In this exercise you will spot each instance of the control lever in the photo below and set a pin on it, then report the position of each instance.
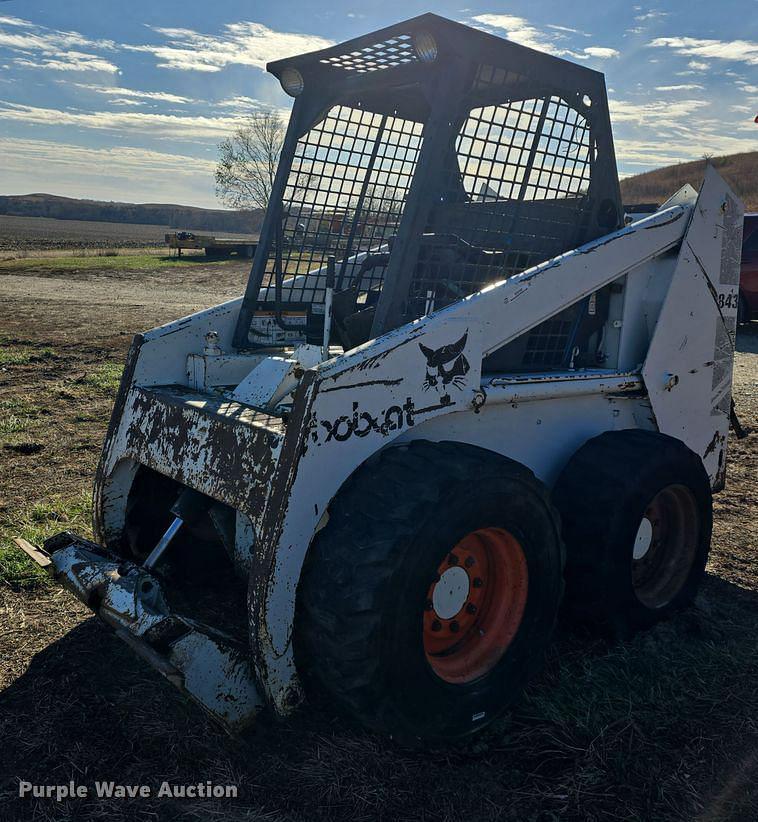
(188, 508)
(328, 295)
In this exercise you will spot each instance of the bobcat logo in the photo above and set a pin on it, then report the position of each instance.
(440, 377)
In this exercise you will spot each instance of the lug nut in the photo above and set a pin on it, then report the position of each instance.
(436, 626)
(478, 582)
(452, 559)
(469, 562)
(428, 605)
(454, 627)
(471, 608)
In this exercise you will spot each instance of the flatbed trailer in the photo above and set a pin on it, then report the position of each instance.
(213, 246)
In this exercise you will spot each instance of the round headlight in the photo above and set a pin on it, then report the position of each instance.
(425, 47)
(292, 81)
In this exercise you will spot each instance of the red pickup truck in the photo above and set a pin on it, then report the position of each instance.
(748, 308)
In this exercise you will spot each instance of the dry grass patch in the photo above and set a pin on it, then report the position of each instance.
(739, 170)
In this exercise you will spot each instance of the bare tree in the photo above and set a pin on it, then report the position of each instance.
(248, 160)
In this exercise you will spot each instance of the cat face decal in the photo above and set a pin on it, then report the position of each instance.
(446, 366)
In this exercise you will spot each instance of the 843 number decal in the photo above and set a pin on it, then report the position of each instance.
(730, 300)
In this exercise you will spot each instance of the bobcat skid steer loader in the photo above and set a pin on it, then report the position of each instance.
(456, 384)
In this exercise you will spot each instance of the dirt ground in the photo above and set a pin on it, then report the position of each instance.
(46, 233)
(664, 727)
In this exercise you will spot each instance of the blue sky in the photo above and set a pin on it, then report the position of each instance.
(128, 100)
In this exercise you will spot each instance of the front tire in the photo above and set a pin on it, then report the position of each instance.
(430, 596)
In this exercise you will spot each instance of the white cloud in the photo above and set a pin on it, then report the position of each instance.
(680, 87)
(568, 30)
(651, 15)
(15, 21)
(693, 146)
(248, 105)
(241, 102)
(40, 38)
(148, 124)
(245, 43)
(123, 160)
(698, 65)
(521, 31)
(744, 51)
(131, 174)
(661, 114)
(40, 47)
(750, 89)
(600, 52)
(69, 61)
(118, 92)
(660, 132)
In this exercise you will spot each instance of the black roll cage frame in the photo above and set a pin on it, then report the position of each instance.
(438, 93)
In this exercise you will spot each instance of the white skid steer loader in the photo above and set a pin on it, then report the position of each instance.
(456, 385)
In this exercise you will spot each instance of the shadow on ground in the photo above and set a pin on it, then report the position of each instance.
(642, 730)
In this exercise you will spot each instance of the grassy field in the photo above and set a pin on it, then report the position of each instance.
(108, 263)
(663, 728)
(24, 430)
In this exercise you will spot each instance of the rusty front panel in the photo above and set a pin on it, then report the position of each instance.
(221, 448)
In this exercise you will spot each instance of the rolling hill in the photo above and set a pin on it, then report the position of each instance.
(177, 216)
(739, 170)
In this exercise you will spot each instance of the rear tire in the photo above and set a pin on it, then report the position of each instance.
(431, 594)
(636, 509)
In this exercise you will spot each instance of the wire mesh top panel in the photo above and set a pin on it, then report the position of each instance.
(389, 53)
(344, 197)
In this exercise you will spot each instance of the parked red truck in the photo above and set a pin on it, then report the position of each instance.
(748, 307)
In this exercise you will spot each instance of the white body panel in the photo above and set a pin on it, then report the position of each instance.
(688, 370)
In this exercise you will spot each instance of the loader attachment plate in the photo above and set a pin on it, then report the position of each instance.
(212, 668)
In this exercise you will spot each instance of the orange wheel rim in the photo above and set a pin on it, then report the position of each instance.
(475, 604)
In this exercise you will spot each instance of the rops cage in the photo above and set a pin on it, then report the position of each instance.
(428, 160)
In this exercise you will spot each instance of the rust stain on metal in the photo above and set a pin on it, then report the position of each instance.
(199, 447)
